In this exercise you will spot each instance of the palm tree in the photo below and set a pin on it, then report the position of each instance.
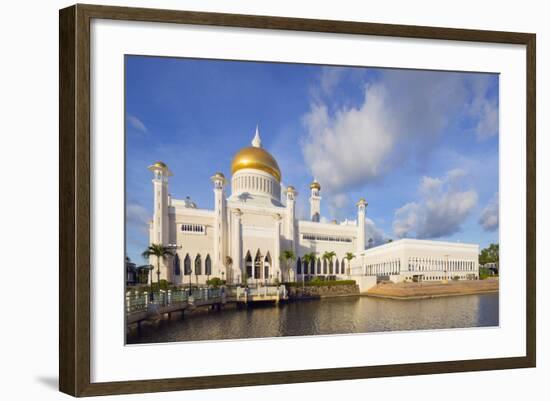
(349, 256)
(309, 259)
(287, 256)
(160, 251)
(328, 256)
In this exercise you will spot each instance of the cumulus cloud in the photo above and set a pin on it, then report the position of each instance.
(343, 149)
(489, 216)
(137, 216)
(330, 77)
(483, 109)
(136, 123)
(373, 232)
(398, 119)
(441, 209)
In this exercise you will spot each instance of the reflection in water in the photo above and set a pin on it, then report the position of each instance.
(326, 316)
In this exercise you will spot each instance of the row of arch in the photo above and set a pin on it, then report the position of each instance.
(416, 264)
(320, 267)
(195, 267)
(389, 267)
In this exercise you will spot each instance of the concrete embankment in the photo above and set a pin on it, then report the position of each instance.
(432, 290)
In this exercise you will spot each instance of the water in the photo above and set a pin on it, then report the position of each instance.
(325, 316)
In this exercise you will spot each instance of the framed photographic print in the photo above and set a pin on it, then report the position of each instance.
(239, 192)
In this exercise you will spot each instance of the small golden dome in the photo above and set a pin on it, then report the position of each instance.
(160, 164)
(315, 185)
(255, 158)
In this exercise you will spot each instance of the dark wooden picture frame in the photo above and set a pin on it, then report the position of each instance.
(74, 203)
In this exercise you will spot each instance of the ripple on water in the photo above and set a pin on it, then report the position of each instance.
(326, 316)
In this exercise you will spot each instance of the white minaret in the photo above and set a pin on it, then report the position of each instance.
(161, 173)
(290, 217)
(219, 182)
(361, 214)
(315, 201)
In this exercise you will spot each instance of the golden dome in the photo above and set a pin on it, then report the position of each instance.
(155, 167)
(315, 185)
(255, 158)
(160, 164)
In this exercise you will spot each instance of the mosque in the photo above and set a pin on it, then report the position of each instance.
(250, 231)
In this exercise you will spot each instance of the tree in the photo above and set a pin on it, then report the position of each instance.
(349, 256)
(328, 256)
(309, 259)
(489, 254)
(160, 251)
(288, 256)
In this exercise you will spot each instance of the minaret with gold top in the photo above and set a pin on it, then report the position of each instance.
(161, 172)
(315, 201)
(219, 182)
(159, 227)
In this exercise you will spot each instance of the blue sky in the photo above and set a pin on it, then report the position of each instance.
(420, 146)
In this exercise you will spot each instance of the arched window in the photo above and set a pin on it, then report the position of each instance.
(177, 270)
(187, 265)
(198, 267)
(267, 265)
(299, 266)
(208, 265)
(248, 264)
(257, 265)
(318, 266)
(325, 266)
(337, 267)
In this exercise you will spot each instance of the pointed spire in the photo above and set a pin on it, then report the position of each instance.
(257, 141)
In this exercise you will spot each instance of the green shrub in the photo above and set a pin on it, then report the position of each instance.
(215, 282)
(321, 283)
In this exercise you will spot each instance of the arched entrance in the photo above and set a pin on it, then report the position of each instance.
(267, 268)
(258, 265)
(248, 266)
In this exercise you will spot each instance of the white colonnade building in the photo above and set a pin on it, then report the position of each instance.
(243, 237)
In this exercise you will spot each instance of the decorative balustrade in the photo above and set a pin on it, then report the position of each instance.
(138, 302)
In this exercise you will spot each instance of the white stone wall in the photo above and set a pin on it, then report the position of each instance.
(325, 237)
(193, 231)
(409, 259)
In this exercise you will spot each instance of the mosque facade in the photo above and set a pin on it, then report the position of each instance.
(253, 228)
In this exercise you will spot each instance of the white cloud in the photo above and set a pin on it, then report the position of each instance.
(489, 216)
(441, 209)
(345, 149)
(136, 123)
(137, 216)
(484, 109)
(330, 77)
(373, 232)
(398, 119)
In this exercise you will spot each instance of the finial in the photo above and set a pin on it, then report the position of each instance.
(257, 141)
